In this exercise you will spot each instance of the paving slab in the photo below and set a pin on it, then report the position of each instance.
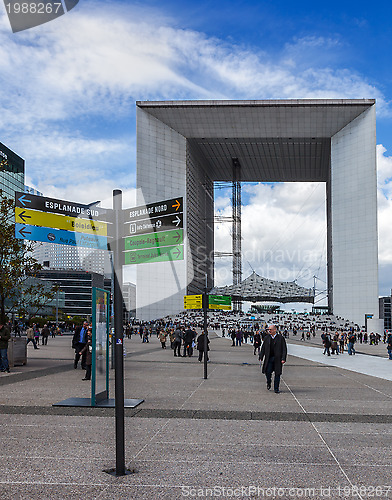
(328, 429)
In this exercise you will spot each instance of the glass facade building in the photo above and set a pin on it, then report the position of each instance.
(77, 289)
(13, 174)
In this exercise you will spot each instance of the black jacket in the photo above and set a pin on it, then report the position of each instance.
(200, 342)
(75, 338)
(280, 351)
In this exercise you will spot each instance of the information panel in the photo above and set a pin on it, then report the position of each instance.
(56, 221)
(150, 255)
(222, 302)
(151, 240)
(100, 353)
(193, 301)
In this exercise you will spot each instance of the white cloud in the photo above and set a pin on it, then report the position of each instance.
(67, 92)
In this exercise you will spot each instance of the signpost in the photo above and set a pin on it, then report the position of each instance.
(31, 201)
(38, 218)
(56, 221)
(193, 301)
(154, 232)
(221, 302)
(51, 235)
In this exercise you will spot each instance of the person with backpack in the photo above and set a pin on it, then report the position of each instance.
(351, 341)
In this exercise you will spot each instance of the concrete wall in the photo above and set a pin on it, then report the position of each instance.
(353, 253)
(161, 175)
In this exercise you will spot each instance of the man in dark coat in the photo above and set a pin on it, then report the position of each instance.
(79, 340)
(5, 335)
(189, 337)
(274, 352)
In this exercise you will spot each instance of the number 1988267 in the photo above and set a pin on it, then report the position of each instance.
(33, 8)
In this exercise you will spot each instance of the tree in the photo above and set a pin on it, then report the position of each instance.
(19, 287)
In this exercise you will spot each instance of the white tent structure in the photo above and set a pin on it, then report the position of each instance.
(255, 288)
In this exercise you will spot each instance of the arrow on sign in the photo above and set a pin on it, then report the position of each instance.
(22, 231)
(176, 205)
(177, 253)
(176, 221)
(177, 236)
(23, 216)
(24, 200)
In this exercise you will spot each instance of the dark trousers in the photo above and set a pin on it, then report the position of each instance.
(201, 355)
(79, 347)
(177, 348)
(33, 341)
(268, 373)
(88, 372)
(45, 340)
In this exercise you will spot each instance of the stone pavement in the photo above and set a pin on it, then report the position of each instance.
(327, 435)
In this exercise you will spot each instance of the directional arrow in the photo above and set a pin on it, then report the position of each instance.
(24, 200)
(23, 216)
(177, 253)
(176, 205)
(177, 236)
(176, 221)
(22, 231)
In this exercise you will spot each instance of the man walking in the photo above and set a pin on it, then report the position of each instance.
(351, 341)
(79, 340)
(274, 352)
(189, 337)
(5, 335)
(178, 336)
(45, 334)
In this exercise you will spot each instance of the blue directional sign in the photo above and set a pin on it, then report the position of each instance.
(51, 235)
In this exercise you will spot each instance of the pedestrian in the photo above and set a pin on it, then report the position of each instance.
(88, 352)
(334, 345)
(274, 353)
(36, 334)
(200, 345)
(178, 336)
(30, 336)
(389, 346)
(232, 335)
(162, 338)
(5, 335)
(189, 337)
(45, 334)
(351, 341)
(327, 344)
(171, 337)
(79, 340)
(256, 342)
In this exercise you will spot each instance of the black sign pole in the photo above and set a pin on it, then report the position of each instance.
(118, 336)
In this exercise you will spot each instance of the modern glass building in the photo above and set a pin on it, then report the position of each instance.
(77, 289)
(13, 174)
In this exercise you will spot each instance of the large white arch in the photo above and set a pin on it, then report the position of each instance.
(184, 146)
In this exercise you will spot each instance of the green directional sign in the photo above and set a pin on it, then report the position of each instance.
(222, 302)
(154, 240)
(151, 255)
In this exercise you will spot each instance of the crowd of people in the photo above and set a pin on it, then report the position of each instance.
(183, 338)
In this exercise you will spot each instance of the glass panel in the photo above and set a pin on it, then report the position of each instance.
(101, 341)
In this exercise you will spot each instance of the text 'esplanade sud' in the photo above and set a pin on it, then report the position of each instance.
(61, 207)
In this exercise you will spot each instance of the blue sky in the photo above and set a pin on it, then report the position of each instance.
(68, 90)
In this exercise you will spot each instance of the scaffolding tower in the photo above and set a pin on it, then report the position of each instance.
(236, 232)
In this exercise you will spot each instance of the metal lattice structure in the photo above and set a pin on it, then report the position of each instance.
(236, 233)
(255, 288)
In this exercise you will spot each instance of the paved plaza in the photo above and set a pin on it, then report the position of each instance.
(326, 435)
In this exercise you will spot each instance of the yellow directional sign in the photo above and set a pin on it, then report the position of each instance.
(45, 219)
(193, 302)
